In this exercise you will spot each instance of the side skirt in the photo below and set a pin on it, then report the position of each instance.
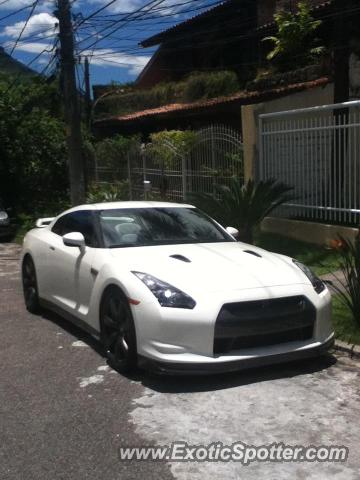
(70, 317)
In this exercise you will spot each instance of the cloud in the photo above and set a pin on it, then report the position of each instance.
(17, 4)
(34, 47)
(109, 58)
(103, 58)
(39, 25)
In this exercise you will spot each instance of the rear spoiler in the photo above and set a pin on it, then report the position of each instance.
(43, 222)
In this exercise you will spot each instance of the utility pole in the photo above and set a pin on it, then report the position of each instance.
(71, 102)
(341, 55)
(87, 91)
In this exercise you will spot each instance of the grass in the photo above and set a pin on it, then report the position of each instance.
(320, 259)
(344, 325)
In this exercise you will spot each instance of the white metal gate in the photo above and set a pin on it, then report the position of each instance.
(216, 156)
(315, 150)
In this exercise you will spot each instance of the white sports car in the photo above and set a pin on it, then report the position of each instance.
(165, 286)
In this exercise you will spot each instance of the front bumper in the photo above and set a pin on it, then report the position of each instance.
(236, 365)
(183, 340)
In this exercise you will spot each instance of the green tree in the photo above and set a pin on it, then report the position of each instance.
(169, 146)
(167, 149)
(295, 44)
(112, 153)
(33, 171)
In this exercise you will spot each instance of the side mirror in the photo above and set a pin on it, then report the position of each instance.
(74, 239)
(234, 232)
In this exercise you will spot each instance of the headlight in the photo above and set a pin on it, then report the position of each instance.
(167, 295)
(4, 218)
(317, 283)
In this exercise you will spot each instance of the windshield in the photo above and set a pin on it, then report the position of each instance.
(158, 226)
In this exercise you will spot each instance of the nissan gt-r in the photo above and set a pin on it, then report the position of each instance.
(162, 285)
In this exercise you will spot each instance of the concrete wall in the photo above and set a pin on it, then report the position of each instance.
(250, 118)
(310, 232)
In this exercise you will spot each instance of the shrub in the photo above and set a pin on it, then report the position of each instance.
(124, 103)
(169, 146)
(295, 44)
(349, 288)
(112, 152)
(108, 192)
(210, 85)
(167, 149)
(196, 87)
(244, 206)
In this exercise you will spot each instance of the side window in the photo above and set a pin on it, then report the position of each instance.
(81, 221)
(59, 226)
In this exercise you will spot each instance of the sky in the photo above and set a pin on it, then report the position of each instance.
(110, 38)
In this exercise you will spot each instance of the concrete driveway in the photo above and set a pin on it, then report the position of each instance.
(64, 414)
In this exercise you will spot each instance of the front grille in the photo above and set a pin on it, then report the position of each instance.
(263, 323)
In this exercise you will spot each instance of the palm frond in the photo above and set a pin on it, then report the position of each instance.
(349, 288)
(244, 205)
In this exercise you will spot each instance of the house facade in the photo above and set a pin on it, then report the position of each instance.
(219, 39)
(230, 37)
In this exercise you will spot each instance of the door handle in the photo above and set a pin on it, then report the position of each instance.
(52, 248)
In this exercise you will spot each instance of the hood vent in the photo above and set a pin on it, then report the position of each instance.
(181, 258)
(250, 252)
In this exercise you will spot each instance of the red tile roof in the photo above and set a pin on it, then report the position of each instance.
(242, 98)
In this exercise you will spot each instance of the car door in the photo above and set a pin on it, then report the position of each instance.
(69, 268)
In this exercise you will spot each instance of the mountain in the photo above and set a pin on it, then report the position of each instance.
(10, 66)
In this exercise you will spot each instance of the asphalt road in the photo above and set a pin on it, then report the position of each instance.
(64, 413)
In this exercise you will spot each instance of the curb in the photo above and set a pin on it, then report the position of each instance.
(352, 350)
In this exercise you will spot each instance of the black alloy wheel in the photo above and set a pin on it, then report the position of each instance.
(118, 331)
(30, 287)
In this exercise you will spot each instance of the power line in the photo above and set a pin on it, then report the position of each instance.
(52, 58)
(144, 16)
(35, 36)
(3, 2)
(34, 5)
(139, 10)
(249, 22)
(109, 34)
(107, 18)
(216, 42)
(45, 50)
(16, 11)
(149, 19)
(96, 12)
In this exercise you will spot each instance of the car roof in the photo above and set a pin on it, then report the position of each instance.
(127, 205)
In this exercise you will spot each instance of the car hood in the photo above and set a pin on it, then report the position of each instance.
(211, 266)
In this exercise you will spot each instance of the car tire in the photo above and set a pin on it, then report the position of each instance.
(118, 333)
(30, 285)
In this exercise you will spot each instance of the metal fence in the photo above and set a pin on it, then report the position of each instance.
(215, 157)
(315, 150)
